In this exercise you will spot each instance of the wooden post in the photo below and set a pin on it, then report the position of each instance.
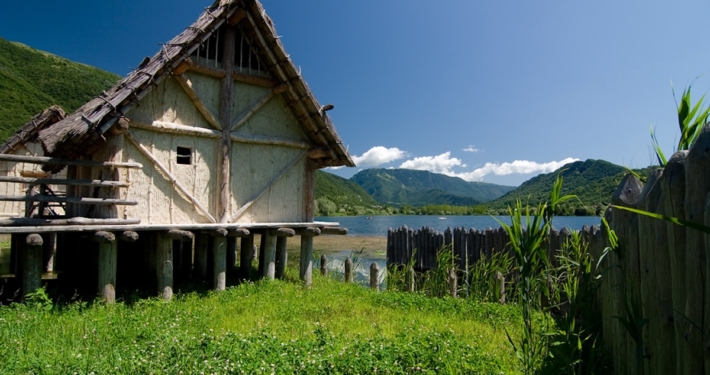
(306, 261)
(282, 234)
(164, 265)
(348, 270)
(410, 279)
(107, 265)
(201, 242)
(231, 254)
(269, 255)
(246, 256)
(219, 250)
(673, 186)
(500, 287)
(374, 276)
(32, 264)
(48, 251)
(453, 282)
(182, 255)
(324, 265)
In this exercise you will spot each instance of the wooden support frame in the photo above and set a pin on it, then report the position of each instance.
(271, 182)
(170, 176)
(272, 141)
(164, 265)
(268, 270)
(219, 265)
(199, 104)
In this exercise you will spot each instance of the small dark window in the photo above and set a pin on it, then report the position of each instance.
(184, 155)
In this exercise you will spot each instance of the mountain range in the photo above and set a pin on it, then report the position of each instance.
(31, 80)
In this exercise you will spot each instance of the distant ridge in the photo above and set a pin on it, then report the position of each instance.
(32, 80)
(419, 188)
(593, 181)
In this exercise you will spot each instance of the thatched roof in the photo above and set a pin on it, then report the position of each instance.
(74, 135)
(28, 131)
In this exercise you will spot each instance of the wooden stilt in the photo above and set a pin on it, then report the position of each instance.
(164, 265)
(282, 234)
(201, 255)
(269, 255)
(48, 252)
(107, 265)
(349, 270)
(324, 265)
(246, 256)
(306, 261)
(374, 276)
(231, 255)
(219, 251)
(32, 264)
(182, 251)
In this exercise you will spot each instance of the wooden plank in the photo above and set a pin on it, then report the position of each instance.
(154, 227)
(170, 177)
(60, 181)
(673, 186)
(49, 160)
(199, 104)
(74, 200)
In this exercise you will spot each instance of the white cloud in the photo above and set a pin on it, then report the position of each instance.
(470, 148)
(516, 167)
(378, 155)
(437, 164)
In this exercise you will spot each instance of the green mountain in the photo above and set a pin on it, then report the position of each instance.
(419, 188)
(593, 181)
(32, 80)
(336, 195)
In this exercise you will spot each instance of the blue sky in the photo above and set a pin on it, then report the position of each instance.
(494, 91)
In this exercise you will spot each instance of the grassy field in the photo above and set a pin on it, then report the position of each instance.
(275, 327)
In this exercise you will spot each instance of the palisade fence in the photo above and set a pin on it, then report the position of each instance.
(655, 291)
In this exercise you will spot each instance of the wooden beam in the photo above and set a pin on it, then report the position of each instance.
(49, 160)
(74, 200)
(337, 230)
(26, 221)
(254, 80)
(168, 127)
(225, 115)
(208, 71)
(183, 67)
(237, 16)
(170, 177)
(59, 181)
(257, 105)
(266, 187)
(199, 104)
(271, 141)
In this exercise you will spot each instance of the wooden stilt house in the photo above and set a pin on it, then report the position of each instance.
(216, 137)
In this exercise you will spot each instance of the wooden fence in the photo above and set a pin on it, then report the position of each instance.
(662, 272)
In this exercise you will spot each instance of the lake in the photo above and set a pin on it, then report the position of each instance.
(377, 225)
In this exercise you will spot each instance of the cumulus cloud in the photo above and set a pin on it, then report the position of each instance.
(437, 164)
(515, 167)
(444, 163)
(470, 148)
(378, 155)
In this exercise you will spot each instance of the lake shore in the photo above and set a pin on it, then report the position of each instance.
(371, 246)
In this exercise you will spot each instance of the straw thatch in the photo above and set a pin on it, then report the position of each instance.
(80, 132)
(29, 131)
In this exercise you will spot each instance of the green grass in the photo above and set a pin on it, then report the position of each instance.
(265, 327)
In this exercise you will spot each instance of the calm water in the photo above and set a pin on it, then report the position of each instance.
(377, 225)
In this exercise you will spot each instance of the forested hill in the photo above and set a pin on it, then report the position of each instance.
(32, 80)
(336, 195)
(593, 181)
(418, 188)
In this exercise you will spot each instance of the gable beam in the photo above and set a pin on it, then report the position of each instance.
(246, 115)
(199, 104)
(276, 66)
(249, 79)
